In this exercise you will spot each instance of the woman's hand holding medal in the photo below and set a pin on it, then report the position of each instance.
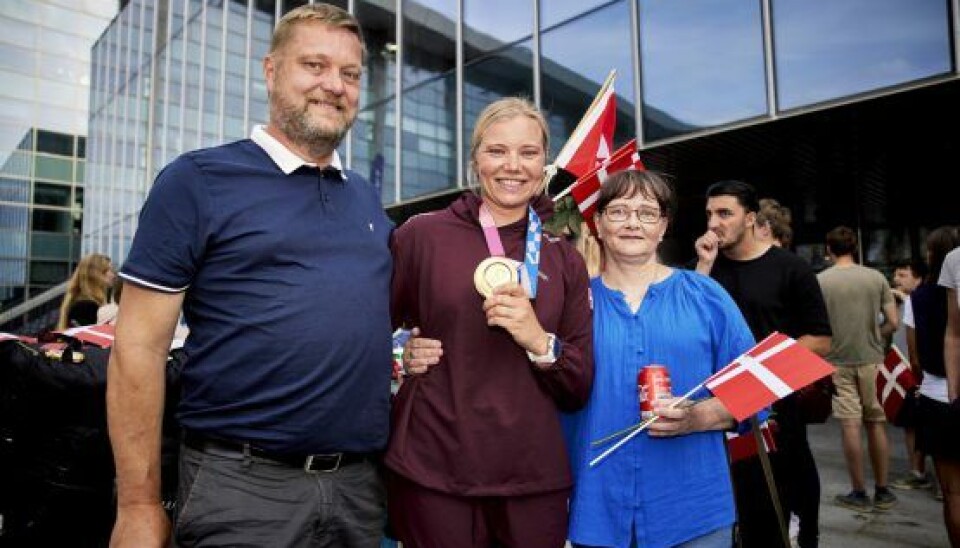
(420, 353)
(510, 307)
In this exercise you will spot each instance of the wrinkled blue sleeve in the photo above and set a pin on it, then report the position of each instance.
(732, 337)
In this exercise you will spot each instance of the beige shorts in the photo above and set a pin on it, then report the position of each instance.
(857, 393)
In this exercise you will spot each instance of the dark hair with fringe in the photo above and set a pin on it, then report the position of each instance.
(650, 184)
(745, 193)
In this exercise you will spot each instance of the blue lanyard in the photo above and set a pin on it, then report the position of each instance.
(531, 255)
(531, 252)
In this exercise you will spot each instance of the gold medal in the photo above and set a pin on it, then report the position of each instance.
(495, 271)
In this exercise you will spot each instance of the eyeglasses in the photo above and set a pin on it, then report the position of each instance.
(620, 214)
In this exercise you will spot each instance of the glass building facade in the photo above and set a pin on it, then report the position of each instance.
(175, 75)
(44, 98)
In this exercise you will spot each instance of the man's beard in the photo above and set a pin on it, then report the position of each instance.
(728, 243)
(319, 139)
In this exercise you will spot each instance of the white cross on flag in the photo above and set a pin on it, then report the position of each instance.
(100, 335)
(592, 139)
(773, 369)
(894, 380)
(587, 188)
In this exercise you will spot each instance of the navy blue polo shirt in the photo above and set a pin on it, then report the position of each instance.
(287, 298)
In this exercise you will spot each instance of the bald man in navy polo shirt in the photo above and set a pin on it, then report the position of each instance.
(279, 259)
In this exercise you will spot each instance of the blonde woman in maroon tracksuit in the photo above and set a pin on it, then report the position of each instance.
(477, 456)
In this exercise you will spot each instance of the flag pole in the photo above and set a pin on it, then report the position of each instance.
(565, 191)
(551, 170)
(643, 426)
(596, 98)
(769, 478)
(630, 146)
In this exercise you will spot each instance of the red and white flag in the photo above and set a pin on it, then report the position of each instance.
(592, 140)
(744, 445)
(586, 189)
(773, 369)
(894, 380)
(100, 335)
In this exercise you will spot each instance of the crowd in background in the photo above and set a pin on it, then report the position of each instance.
(523, 351)
(61, 476)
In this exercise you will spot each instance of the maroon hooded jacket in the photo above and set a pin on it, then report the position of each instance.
(484, 421)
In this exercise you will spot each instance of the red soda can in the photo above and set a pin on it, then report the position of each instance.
(653, 383)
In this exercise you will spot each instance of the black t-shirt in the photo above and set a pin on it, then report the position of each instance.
(777, 291)
(929, 302)
(82, 312)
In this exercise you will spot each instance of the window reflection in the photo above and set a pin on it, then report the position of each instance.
(373, 136)
(702, 64)
(498, 55)
(506, 73)
(429, 97)
(489, 25)
(826, 50)
(14, 190)
(571, 75)
(373, 141)
(429, 34)
(429, 142)
(553, 12)
(379, 27)
(190, 115)
(291, 4)
(260, 33)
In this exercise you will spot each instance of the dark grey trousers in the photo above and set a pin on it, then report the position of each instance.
(229, 501)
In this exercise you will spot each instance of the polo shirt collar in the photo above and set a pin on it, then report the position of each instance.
(287, 160)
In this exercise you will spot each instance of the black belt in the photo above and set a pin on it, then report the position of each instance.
(327, 462)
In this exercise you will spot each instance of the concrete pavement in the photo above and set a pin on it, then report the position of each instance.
(916, 520)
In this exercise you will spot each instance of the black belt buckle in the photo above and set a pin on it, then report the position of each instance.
(323, 463)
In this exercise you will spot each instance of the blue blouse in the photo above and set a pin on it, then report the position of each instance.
(666, 490)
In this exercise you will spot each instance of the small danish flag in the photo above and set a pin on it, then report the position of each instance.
(773, 369)
(894, 380)
(100, 335)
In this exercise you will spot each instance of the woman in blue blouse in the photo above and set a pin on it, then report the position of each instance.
(669, 486)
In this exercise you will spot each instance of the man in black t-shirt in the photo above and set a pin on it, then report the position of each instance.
(776, 291)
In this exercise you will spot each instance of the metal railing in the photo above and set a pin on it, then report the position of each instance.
(34, 314)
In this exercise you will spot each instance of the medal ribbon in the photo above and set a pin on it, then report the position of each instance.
(531, 252)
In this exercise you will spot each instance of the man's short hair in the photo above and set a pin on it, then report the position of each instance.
(745, 194)
(842, 241)
(321, 13)
(916, 267)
